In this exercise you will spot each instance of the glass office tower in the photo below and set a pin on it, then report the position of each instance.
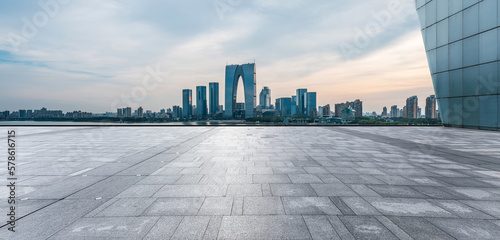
(213, 97)
(462, 44)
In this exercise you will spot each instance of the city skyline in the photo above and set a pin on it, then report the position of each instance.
(48, 71)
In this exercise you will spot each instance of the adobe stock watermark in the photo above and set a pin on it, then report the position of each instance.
(31, 26)
(224, 6)
(380, 20)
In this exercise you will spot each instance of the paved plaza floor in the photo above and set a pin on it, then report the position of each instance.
(253, 183)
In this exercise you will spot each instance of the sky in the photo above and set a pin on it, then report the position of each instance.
(96, 55)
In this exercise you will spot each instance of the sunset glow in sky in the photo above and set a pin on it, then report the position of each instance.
(92, 55)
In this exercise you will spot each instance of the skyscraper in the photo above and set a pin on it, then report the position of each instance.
(311, 106)
(213, 97)
(140, 112)
(265, 98)
(127, 112)
(326, 110)
(430, 107)
(384, 112)
(301, 102)
(412, 107)
(201, 101)
(462, 45)
(294, 105)
(187, 103)
(394, 111)
(285, 107)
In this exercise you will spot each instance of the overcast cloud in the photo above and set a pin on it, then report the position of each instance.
(90, 54)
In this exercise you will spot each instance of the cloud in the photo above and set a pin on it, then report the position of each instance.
(93, 52)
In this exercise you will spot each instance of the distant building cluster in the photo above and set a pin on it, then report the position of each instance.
(301, 106)
(412, 110)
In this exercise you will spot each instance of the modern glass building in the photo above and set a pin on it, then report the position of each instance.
(285, 107)
(248, 74)
(311, 104)
(462, 44)
(187, 103)
(201, 101)
(301, 102)
(265, 98)
(213, 98)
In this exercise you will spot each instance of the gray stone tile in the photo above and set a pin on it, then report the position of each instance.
(289, 170)
(320, 228)
(159, 180)
(292, 190)
(310, 206)
(391, 191)
(216, 206)
(164, 228)
(333, 189)
(271, 178)
(365, 227)
(192, 227)
(340, 228)
(489, 207)
(363, 190)
(464, 182)
(358, 179)
(226, 179)
(398, 232)
(262, 206)
(139, 191)
(316, 170)
(51, 219)
(259, 170)
(467, 228)
(263, 227)
(340, 204)
(244, 190)
(328, 178)
(359, 206)
(213, 228)
(126, 207)
(237, 209)
(174, 206)
(188, 179)
(116, 227)
(191, 191)
(419, 228)
(304, 178)
(407, 207)
(461, 209)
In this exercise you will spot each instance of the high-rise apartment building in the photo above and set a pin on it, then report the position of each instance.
(213, 98)
(356, 105)
(412, 107)
(384, 112)
(187, 103)
(201, 101)
(430, 107)
(140, 112)
(462, 44)
(394, 111)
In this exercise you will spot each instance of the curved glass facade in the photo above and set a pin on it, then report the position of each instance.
(461, 40)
